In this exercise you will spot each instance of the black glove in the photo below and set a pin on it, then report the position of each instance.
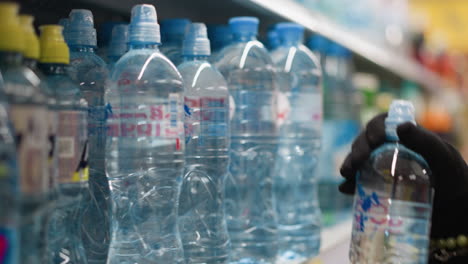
(449, 172)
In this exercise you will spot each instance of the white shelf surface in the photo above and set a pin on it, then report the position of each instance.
(335, 244)
(384, 57)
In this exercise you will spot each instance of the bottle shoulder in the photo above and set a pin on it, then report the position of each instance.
(395, 160)
(21, 84)
(296, 59)
(65, 90)
(202, 77)
(145, 66)
(87, 68)
(243, 55)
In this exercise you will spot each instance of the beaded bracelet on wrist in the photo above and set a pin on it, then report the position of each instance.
(443, 250)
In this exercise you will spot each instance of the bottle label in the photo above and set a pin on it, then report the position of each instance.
(164, 120)
(30, 126)
(206, 117)
(384, 227)
(284, 108)
(8, 245)
(52, 126)
(72, 147)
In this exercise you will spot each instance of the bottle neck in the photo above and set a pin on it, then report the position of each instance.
(143, 46)
(80, 48)
(290, 43)
(10, 59)
(30, 63)
(244, 37)
(195, 58)
(53, 68)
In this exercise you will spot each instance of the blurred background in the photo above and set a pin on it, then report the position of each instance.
(371, 52)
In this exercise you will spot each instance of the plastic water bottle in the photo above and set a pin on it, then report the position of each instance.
(393, 200)
(220, 36)
(104, 38)
(64, 243)
(30, 60)
(250, 214)
(300, 119)
(145, 148)
(118, 44)
(202, 224)
(172, 33)
(89, 71)
(341, 126)
(9, 187)
(28, 115)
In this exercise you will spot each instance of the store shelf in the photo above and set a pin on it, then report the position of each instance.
(384, 57)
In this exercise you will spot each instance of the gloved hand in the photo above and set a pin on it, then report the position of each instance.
(449, 172)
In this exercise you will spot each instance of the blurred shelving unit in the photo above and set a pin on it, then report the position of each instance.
(384, 57)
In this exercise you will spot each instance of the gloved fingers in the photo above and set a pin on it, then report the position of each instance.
(347, 170)
(363, 145)
(375, 131)
(450, 172)
(348, 186)
(427, 144)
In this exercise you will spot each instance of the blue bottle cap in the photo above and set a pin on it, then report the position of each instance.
(81, 29)
(335, 49)
(318, 43)
(118, 42)
(289, 33)
(273, 39)
(173, 29)
(196, 42)
(244, 26)
(401, 111)
(144, 27)
(105, 32)
(219, 35)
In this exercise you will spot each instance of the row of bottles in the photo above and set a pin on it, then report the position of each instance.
(139, 161)
(177, 155)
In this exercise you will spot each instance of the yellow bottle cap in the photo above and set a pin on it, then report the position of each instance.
(31, 51)
(11, 33)
(53, 46)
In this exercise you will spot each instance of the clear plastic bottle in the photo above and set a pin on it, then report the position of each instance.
(30, 59)
(300, 118)
(340, 127)
(117, 45)
(393, 200)
(104, 38)
(145, 148)
(172, 34)
(27, 114)
(64, 243)
(9, 188)
(202, 224)
(89, 71)
(220, 36)
(252, 84)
